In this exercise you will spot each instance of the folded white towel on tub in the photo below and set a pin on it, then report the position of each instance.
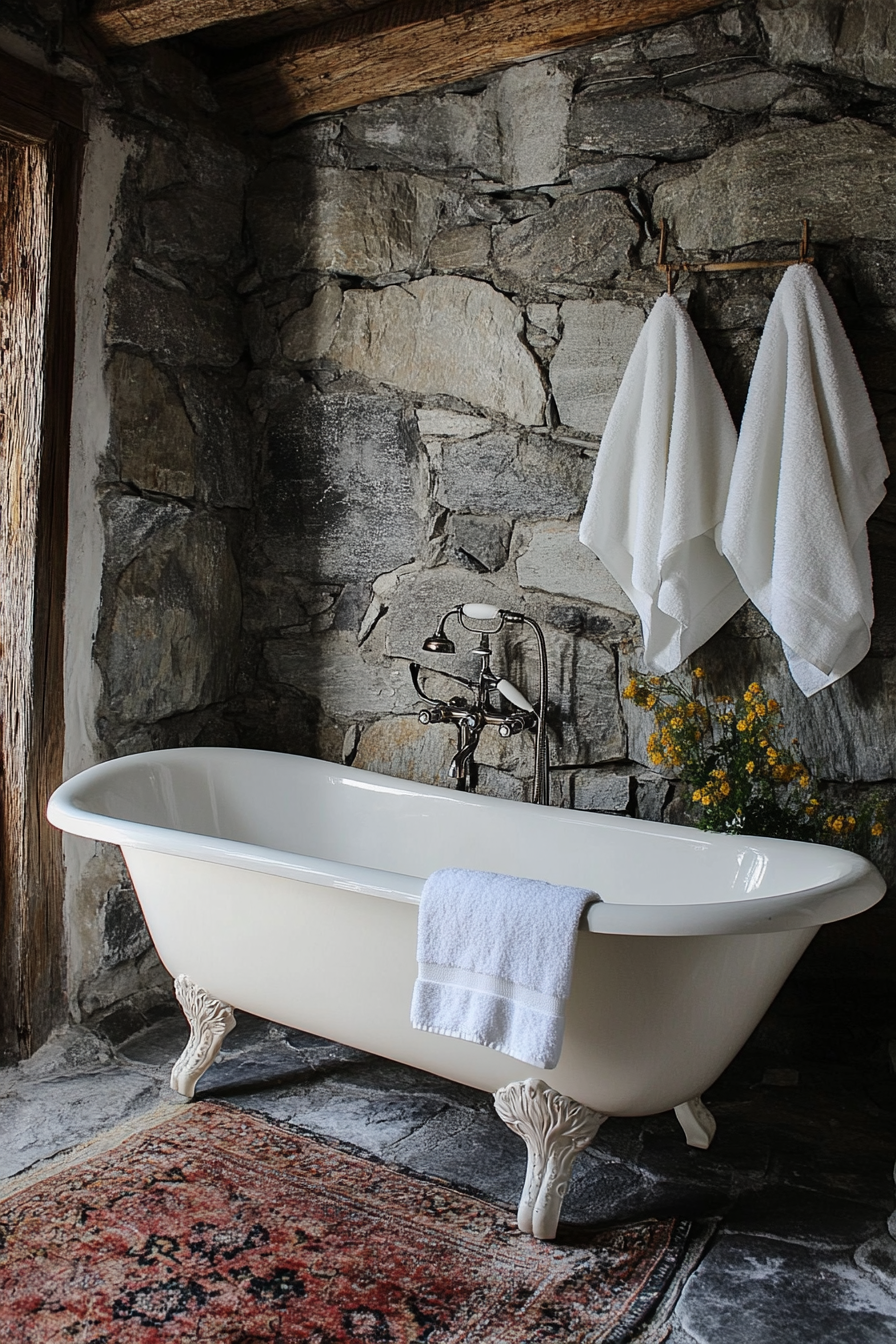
(495, 958)
(809, 471)
(659, 489)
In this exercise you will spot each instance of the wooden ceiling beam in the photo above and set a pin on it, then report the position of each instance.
(411, 45)
(132, 23)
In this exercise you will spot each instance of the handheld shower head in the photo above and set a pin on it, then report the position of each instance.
(439, 642)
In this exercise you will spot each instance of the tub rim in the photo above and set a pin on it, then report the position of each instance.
(853, 891)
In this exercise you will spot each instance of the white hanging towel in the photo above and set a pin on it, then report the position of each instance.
(659, 490)
(809, 471)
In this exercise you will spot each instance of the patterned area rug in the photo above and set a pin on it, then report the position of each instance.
(220, 1226)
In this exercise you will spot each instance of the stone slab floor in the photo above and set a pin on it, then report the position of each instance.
(799, 1176)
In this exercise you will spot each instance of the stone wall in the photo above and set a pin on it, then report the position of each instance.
(175, 481)
(448, 289)
(163, 459)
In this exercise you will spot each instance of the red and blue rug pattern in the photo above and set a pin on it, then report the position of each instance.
(220, 1226)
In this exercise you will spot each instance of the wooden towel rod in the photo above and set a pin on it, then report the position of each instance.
(674, 267)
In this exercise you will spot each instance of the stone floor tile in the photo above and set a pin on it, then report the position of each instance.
(761, 1290)
(341, 1111)
(807, 1216)
(42, 1118)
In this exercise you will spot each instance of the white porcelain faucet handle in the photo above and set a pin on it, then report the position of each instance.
(510, 692)
(480, 611)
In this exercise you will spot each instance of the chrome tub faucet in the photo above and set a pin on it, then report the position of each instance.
(471, 714)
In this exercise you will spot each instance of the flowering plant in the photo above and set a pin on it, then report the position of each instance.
(739, 770)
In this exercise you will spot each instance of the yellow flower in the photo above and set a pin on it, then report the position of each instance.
(750, 767)
(741, 726)
(760, 709)
(630, 690)
(772, 705)
(676, 723)
(696, 795)
(755, 688)
(877, 829)
(748, 696)
(772, 755)
(725, 787)
(655, 681)
(837, 824)
(698, 672)
(650, 700)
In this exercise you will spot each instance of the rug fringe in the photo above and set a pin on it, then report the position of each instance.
(104, 1142)
(658, 1327)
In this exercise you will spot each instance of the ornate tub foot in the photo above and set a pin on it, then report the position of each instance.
(555, 1129)
(210, 1020)
(697, 1122)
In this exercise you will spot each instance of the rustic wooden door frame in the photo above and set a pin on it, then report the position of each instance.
(38, 110)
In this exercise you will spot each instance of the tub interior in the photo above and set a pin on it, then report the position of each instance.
(300, 806)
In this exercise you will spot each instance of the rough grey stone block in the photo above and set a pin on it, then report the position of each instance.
(555, 561)
(225, 441)
(309, 333)
(609, 172)
(597, 342)
(171, 629)
(648, 125)
(451, 425)
(839, 176)
(408, 749)
(431, 132)
(583, 238)
(339, 497)
(191, 225)
(155, 440)
(483, 540)
(218, 169)
(125, 935)
(443, 335)
(652, 795)
(749, 92)
(498, 473)
(857, 37)
(600, 791)
(330, 219)
(178, 327)
(331, 669)
(500, 784)
(462, 248)
(533, 106)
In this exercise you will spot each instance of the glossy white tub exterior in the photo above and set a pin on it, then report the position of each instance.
(288, 887)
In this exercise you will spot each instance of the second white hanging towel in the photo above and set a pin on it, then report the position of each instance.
(809, 472)
(659, 490)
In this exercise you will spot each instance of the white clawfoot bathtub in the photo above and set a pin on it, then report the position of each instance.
(288, 887)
